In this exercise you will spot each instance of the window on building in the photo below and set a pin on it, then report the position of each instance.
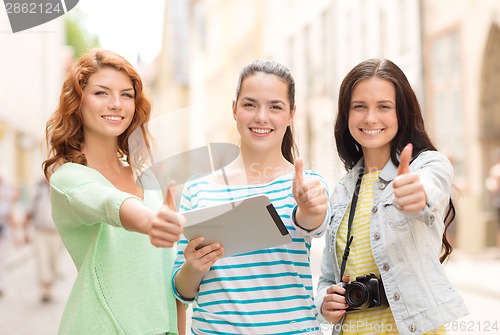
(446, 98)
(200, 23)
(490, 92)
(404, 19)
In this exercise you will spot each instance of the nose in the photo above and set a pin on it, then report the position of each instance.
(370, 116)
(114, 102)
(261, 115)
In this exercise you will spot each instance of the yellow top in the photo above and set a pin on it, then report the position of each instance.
(360, 262)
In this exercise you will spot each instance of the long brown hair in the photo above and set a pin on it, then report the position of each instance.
(410, 123)
(288, 146)
(64, 129)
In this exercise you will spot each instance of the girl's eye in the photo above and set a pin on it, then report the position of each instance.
(276, 107)
(248, 105)
(385, 107)
(358, 107)
(128, 95)
(100, 93)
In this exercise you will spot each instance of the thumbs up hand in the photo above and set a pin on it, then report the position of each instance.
(166, 225)
(311, 198)
(408, 190)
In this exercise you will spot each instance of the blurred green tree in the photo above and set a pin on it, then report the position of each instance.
(77, 36)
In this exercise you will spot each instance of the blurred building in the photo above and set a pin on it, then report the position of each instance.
(462, 105)
(207, 43)
(450, 51)
(321, 41)
(30, 80)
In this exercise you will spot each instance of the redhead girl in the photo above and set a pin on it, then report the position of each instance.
(109, 223)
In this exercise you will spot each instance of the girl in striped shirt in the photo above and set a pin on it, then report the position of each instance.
(266, 291)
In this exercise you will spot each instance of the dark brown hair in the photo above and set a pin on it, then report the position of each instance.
(288, 146)
(410, 123)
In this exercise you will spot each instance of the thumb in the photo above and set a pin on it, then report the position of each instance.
(299, 170)
(404, 159)
(169, 197)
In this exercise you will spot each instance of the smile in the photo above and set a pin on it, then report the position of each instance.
(261, 130)
(112, 117)
(371, 131)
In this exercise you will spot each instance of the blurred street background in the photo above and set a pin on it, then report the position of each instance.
(190, 52)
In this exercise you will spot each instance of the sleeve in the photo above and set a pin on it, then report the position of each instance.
(180, 260)
(318, 232)
(327, 278)
(329, 269)
(91, 198)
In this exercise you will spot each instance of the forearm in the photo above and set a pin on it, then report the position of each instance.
(181, 318)
(187, 282)
(135, 216)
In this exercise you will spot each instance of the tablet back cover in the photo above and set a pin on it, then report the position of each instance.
(241, 226)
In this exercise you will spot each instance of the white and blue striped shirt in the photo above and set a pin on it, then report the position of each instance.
(267, 291)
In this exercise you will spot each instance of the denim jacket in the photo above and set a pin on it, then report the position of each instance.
(406, 248)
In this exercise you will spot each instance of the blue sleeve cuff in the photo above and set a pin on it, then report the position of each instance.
(176, 293)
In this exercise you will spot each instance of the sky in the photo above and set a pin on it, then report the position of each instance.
(128, 27)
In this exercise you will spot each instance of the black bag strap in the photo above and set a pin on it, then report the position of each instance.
(354, 201)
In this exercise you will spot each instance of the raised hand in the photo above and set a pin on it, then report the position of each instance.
(404, 159)
(167, 225)
(408, 190)
(310, 196)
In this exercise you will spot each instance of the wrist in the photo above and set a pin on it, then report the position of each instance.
(308, 222)
(296, 221)
(187, 281)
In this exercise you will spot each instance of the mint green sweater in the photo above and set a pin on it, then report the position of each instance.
(123, 284)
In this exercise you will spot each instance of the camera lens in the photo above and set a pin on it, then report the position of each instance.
(357, 296)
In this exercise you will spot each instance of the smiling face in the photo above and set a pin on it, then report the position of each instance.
(262, 113)
(108, 104)
(373, 120)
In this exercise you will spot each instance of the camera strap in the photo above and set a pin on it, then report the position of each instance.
(347, 249)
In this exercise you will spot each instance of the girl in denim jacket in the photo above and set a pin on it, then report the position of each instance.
(397, 238)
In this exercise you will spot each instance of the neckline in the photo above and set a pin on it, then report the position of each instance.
(110, 183)
(278, 178)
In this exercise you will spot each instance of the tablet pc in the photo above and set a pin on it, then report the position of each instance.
(241, 226)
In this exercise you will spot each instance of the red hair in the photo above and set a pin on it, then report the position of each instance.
(64, 129)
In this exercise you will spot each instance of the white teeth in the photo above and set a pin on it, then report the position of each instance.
(260, 130)
(371, 131)
(112, 118)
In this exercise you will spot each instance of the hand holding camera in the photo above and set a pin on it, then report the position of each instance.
(367, 291)
(334, 305)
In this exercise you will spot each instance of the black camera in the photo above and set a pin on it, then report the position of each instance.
(367, 291)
